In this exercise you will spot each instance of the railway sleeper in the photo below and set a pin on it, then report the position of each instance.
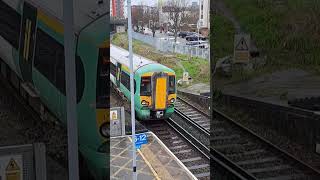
(286, 177)
(200, 171)
(236, 140)
(260, 165)
(238, 157)
(234, 148)
(274, 171)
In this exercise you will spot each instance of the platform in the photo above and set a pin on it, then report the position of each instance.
(154, 161)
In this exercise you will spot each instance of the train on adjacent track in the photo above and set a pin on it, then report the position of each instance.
(32, 60)
(154, 84)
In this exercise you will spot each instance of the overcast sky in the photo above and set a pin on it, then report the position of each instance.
(152, 2)
(147, 2)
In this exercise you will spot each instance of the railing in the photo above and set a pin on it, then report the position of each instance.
(164, 45)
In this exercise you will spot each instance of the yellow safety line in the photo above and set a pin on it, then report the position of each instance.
(148, 163)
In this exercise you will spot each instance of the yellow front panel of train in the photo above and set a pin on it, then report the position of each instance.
(161, 93)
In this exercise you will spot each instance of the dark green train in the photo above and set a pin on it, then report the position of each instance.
(155, 86)
(32, 60)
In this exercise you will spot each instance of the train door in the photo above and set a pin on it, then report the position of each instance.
(118, 75)
(27, 41)
(160, 85)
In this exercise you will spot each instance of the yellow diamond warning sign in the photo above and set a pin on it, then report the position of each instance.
(12, 170)
(11, 167)
(241, 48)
(242, 45)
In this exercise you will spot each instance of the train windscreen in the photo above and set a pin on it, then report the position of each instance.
(145, 89)
(172, 85)
(103, 76)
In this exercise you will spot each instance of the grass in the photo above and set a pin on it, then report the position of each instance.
(288, 32)
(198, 68)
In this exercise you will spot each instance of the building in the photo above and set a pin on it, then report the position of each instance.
(117, 8)
(205, 13)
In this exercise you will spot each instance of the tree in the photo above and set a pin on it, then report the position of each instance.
(152, 15)
(176, 10)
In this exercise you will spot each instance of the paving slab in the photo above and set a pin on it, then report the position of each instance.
(154, 160)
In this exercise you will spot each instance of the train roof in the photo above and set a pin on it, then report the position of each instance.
(85, 11)
(121, 55)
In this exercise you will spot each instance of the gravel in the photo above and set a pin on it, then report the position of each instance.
(17, 128)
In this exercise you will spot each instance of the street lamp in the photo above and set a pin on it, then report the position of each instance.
(133, 125)
(198, 26)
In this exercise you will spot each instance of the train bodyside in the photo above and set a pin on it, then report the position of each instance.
(33, 50)
(155, 86)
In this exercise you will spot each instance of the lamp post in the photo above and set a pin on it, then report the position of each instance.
(133, 125)
(198, 26)
(70, 71)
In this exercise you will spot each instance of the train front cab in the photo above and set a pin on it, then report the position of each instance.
(96, 158)
(157, 95)
(93, 113)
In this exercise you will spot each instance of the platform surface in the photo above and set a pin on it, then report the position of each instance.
(154, 161)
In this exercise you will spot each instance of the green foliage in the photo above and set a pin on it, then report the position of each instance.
(288, 32)
(222, 37)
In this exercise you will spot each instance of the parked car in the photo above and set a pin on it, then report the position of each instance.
(183, 34)
(195, 37)
(200, 44)
(169, 33)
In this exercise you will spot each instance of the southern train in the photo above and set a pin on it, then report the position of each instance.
(32, 61)
(155, 84)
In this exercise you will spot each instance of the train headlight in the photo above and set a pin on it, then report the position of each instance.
(172, 100)
(105, 130)
(144, 103)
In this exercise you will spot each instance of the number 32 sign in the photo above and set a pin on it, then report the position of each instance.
(141, 139)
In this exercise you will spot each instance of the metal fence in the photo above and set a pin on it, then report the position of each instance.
(164, 45)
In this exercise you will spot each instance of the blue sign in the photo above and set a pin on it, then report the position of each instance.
(141, 139)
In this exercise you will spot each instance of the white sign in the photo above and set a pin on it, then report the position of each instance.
(185, 76)
(11, 167)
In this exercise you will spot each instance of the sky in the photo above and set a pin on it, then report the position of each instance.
(146, 2)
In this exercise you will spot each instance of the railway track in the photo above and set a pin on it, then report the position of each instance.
(251, 156)
(190, 151)
(195, 116)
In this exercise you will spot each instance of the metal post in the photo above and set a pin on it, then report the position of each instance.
(133, 125)
(199, 26)
(69, 40)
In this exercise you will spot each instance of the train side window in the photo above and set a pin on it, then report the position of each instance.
(125, 80)
(50, 62)
(80, 78)
(103, 77)
(145, 89)
(113, 69)
(172, 85)
(10, 22)
(60, 72)
(45, 57)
